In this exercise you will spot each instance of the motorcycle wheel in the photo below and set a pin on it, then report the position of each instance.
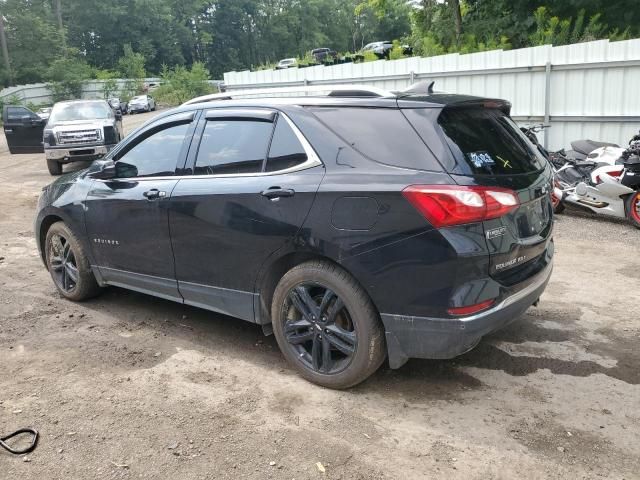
(557, 204)
(559, 207)
(633, 209)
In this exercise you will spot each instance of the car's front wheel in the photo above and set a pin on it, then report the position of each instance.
(68, 264)
(326, 325)
(54, 167)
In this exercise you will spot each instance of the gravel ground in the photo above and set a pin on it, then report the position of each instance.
(130, 386)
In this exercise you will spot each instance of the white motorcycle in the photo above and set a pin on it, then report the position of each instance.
(606, 182)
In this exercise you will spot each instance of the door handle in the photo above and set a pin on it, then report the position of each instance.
(154, 193)
(274, 193)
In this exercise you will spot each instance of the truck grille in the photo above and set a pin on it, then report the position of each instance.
(76, 137)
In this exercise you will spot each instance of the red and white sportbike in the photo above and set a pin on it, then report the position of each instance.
(607, 182)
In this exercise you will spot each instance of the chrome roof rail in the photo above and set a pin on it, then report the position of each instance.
(353, 91)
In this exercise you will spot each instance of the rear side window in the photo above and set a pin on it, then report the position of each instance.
(286, 150)
(233, 146)
(381, 134)
(485, 141)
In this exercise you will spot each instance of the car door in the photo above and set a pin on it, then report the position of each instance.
(23, 129)
(254, 180)
(127, 216)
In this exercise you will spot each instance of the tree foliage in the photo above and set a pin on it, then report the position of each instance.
(181, 84)
(132, 38)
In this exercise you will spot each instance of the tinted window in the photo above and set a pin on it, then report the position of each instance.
(487, 141)
(156, 155)
(233, 146)
(16, 113)
(382, 134)
(286, 150)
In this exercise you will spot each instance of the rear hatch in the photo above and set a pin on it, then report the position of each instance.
(482, 146)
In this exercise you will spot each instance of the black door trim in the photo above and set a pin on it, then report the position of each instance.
(157, 286)
(235, 303)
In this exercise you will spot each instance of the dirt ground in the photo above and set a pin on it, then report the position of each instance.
(130, 386)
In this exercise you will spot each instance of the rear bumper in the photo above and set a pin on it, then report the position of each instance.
(441, 338)
(76, 154)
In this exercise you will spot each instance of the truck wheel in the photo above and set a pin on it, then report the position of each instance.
(55, 167)
(327, 326)
(68, 264)
(633, 209)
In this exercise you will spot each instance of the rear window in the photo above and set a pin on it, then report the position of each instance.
(486, 141)
(381, 134)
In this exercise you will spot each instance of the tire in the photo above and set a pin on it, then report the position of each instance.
(559, 208)
(633, 209)
(355, 318)
(54, 167)
(60, 240)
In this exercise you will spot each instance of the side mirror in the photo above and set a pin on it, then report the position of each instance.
(104, 170)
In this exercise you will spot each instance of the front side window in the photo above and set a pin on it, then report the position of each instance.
(16, 113)
(286, 150)
(233, 147)
(156, 155)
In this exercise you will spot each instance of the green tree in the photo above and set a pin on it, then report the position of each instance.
(67, 75)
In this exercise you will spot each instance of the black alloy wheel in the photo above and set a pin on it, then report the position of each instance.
(68, 264)
(319, 329)
(62, 261)
(326, 325)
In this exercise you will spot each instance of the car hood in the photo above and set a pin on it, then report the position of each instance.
(83, 124)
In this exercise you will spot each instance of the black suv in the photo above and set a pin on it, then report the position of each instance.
(355, 226)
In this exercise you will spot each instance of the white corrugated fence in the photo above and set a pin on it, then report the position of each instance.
(587, 90)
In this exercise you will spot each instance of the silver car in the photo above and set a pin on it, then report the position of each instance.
(142, 103)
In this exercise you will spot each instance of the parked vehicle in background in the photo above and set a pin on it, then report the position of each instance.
(80, 130)
(381, 49)
(299, 215)
(150, 87)
(141, 103)
(117, 105)
(607, 182)
(287, 63)
(23, 129)
(322, 54)
(44, 112)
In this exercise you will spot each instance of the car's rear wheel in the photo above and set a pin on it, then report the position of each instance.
(54, 167)
(633, 209)
(68, 264)
(326, 325)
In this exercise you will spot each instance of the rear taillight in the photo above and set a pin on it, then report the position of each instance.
(446, 205)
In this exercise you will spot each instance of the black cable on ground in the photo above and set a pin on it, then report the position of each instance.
(29, 448)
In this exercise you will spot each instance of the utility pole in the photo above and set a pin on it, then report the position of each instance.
(60, 26)
(5, 50)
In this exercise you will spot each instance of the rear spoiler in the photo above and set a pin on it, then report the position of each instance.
(503, 105)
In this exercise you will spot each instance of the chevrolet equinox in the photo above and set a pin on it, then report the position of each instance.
(356, 226)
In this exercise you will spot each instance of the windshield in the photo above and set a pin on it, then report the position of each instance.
(66, 112)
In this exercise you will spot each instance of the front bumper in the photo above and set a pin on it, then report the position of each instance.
(441, 338)
(77, 153)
